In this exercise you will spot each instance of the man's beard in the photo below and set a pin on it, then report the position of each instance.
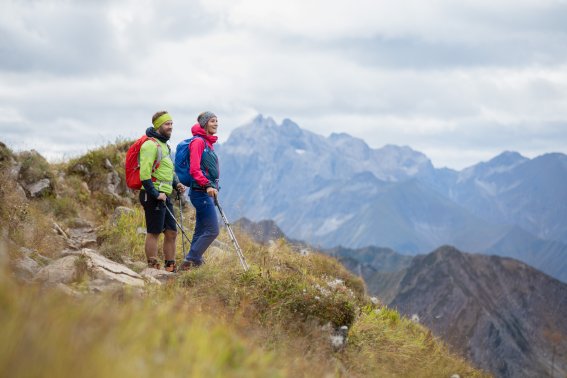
(165, 133)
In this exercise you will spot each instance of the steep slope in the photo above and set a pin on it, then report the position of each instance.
(289, 315)
(548, 256)
(507, 317)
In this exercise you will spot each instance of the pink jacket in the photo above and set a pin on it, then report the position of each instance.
(196, 149)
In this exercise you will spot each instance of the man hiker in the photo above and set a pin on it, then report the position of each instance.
(204, 171)
(158, 183)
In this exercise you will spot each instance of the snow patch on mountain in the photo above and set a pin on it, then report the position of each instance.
(332, 224)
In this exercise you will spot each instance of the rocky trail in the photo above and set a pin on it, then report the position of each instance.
(80, 268)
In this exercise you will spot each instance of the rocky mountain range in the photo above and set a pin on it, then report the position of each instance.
(337, 191)
(502, 314)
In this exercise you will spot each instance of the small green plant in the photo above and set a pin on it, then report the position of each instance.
(62, 207)
(100, 161)
(34, 167)
(76, 189)
(121, 238)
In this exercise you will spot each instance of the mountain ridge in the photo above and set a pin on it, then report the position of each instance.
(486, 306)
(338, 191)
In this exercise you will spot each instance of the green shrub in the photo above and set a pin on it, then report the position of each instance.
(34, 167)
(63, 207)
(120, 238)
(94, 161)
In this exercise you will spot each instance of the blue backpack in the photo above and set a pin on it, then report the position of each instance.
(182, 163)
(209, 164)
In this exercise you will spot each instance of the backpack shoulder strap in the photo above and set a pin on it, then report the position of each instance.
(159, 154)
(204, 141)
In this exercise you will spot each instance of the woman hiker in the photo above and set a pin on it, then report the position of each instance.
(204, 170)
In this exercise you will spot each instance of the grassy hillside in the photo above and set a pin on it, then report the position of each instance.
(277, 319)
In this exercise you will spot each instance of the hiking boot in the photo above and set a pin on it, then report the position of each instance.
(170, 266)
(153, 263)
(187, 265)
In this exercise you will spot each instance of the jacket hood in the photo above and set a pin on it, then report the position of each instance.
(152, 133)
(198, 130)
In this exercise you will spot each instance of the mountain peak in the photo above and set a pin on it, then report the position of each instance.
(504, 162)
(291, 128)
(507, 158)
(261, 121)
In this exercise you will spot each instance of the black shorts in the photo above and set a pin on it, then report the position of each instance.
(158, 218)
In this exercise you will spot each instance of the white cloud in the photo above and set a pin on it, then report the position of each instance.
(460, 81)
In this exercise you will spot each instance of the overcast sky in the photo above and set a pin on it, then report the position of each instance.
(460, 81)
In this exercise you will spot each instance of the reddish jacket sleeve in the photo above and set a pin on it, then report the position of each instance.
(196, 149)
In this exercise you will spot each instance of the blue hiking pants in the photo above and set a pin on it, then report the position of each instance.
(206, 226)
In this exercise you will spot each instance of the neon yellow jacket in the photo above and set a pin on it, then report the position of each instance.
(164, 173)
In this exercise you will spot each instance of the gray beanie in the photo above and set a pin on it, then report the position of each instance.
(204, 117)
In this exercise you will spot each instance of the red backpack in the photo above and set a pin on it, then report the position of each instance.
(132, 164)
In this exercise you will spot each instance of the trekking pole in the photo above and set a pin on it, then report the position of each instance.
(177, 223)
(236, 246)
(181, 219)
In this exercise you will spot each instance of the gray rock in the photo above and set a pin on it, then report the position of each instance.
(88, 243)
(108, 164)
(14, 171)
(104, 273)
(39, 188)
(60, 271)
(110, 271)
(113, 183)
(20, 191)
(80, 168)
(82, 237)
(26, 268)
(157, 275)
